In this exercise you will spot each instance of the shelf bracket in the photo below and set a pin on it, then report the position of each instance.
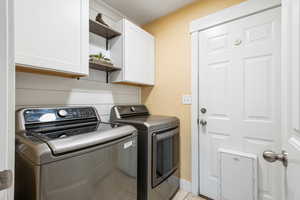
(107, 76)
(107, 73)
(106, 44)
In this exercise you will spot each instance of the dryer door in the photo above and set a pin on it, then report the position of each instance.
(165, 153)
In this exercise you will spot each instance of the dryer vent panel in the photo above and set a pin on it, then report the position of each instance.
(238, 175)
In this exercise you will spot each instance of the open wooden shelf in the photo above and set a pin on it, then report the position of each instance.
(107, 33)
(103, 67)
(102, 30)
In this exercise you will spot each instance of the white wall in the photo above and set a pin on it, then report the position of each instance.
(42, 90)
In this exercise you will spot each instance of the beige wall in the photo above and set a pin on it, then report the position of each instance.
(173, 68)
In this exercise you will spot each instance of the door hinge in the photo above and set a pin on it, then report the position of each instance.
(6, 179)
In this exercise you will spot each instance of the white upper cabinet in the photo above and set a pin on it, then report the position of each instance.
(52, 35)
(134, 53)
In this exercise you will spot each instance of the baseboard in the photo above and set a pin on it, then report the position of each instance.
(185, 185)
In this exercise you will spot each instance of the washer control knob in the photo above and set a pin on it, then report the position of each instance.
(62, 113)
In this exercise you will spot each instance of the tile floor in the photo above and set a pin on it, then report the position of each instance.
(183, 195)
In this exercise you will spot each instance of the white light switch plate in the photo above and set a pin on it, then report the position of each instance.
(187, 99)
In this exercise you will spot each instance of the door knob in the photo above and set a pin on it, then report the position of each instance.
(203, 122)
(271, 156)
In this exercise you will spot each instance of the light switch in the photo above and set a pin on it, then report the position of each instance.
(187, 99)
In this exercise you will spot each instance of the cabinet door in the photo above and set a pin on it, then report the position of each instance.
(139, 55)
(52, 34)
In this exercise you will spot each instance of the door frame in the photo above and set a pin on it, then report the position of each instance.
(7, 83)
(247, 8)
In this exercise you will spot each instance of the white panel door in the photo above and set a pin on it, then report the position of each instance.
(53, 35)
(216, 63)
(7, 91)
(239, 87)
(291, 96)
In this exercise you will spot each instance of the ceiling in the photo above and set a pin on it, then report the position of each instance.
(144, 11)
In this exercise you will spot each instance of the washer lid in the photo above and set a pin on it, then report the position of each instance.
(125, 111)
(64, 145)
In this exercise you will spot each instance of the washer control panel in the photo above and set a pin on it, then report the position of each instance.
(38, 115)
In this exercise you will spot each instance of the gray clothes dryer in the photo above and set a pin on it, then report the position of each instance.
(158, 150)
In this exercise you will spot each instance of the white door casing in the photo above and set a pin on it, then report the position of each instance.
(7, 91)
(291, 96)
(230, 14)
(239, 73)
(290, 85)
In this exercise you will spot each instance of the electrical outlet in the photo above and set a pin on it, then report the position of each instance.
(187, 99)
